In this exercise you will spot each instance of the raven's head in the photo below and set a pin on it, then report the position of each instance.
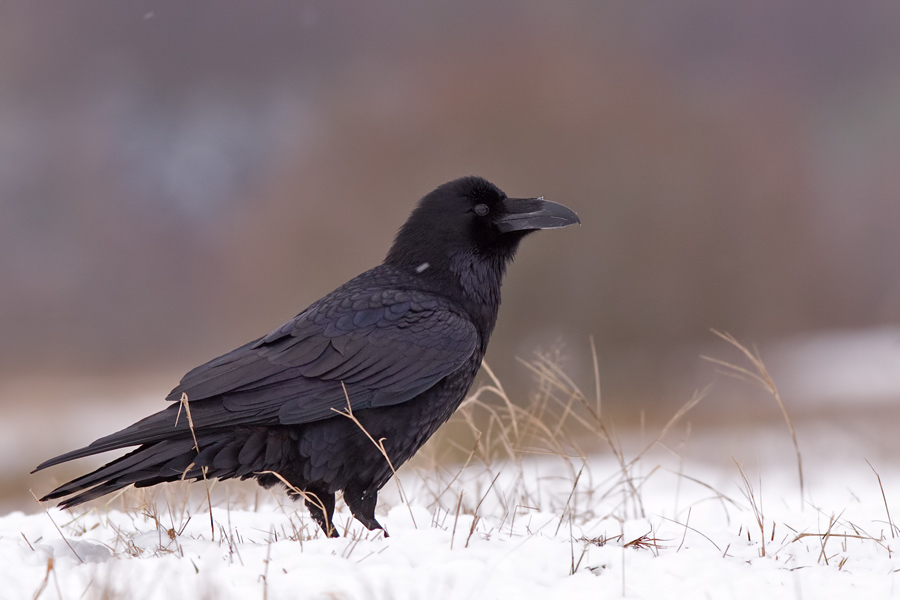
(470, 228)
(473, 216)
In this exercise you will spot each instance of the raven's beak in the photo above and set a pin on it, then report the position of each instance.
(524, 214)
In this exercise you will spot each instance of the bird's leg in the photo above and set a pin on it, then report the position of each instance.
(321, 507)
(362, 505)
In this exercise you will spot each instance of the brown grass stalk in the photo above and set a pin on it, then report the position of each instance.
(187, 409)
(762, 378)
(380, 445)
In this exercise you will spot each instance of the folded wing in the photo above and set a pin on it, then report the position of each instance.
(368, 347)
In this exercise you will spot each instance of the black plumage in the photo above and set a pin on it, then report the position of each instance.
(398, 347)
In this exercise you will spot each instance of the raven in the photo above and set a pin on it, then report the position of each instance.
(349, 389)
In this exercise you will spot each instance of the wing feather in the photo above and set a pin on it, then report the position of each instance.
(366, 342)
(385, 346)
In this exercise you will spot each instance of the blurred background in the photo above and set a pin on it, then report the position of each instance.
(177, 178)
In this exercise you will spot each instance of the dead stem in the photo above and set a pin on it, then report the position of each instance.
(187, 409)
(380, 445)
(894, 529)
(307, 496)
(755, 506)
(762, 378)
(47, 512)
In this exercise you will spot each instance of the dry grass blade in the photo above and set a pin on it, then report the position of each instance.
(569, 499)
(848, 536)
(718, 494)
(755, 506)
(47, 512)
(762, 378)
(475, 517)
(380, 445)
(437, 497)
(561, 409)
(894, 529)
(26, 541)
(551, 374)
(45, 581)
(679, 414)
(596, 362)
(456, 520)
(497, 388)
(187, 409)
(697, 531)
(265, 575)
(646, 542)
(307, 496)
(824, 539)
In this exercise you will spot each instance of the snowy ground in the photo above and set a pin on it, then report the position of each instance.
(550, 503)
(548, 527)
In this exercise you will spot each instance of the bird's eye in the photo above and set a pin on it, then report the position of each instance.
(481, 209)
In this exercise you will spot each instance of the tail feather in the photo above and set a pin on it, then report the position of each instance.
(162, 426)
(224, 454)
(146, 461)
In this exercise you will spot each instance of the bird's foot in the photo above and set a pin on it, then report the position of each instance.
(371, 524)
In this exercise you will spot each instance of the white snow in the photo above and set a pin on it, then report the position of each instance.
(670, 529)
(704, 513)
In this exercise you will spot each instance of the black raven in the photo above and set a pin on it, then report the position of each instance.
(387, 357)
